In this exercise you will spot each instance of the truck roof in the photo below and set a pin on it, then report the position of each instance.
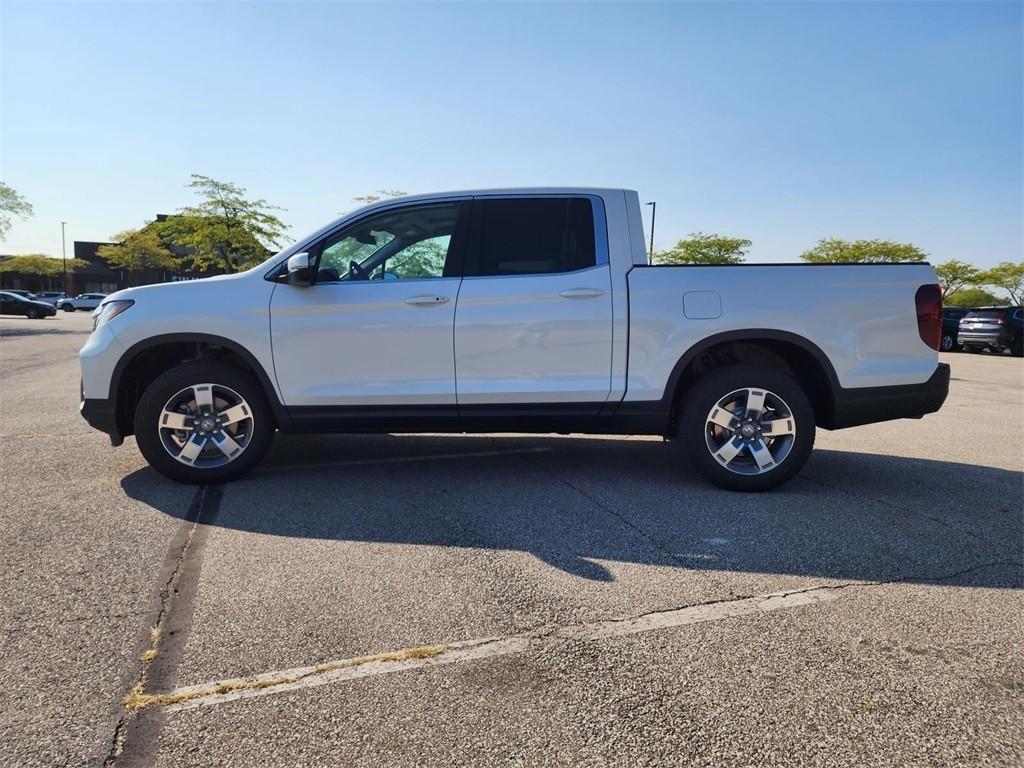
(502, 191)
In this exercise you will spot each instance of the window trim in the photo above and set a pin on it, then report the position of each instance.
(307, 245)
(601, 258)
(454, 262)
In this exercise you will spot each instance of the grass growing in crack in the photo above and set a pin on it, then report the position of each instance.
(138, 699)
(154, 642)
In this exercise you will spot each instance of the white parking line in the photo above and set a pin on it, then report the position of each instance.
(281, 681)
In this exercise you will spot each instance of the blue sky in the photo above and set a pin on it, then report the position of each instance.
(779, 122)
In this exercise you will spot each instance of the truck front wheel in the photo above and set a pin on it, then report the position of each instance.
(747, 427)
(204, 422)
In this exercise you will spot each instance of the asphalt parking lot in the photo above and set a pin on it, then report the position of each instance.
(566, 600)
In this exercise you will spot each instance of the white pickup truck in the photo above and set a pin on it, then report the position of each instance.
(520, 310)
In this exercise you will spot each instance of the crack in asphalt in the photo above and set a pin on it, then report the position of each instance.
(897, 507)
(649, 538)
(544, 635)
(179, 551)
(26, 627)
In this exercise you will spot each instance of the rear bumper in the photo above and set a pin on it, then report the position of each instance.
(994, 338)
(102, 415)
(868, 405)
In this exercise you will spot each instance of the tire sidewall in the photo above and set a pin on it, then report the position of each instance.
(700, 398)
(201, 372)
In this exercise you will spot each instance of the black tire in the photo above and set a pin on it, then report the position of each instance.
(972, 348)
(712, 387)
(1017, 350)
(68, 307)
(157, 394)
(33, 314)
(948, 343)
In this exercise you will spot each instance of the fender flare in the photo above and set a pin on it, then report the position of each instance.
(752, 335)
(280, 411)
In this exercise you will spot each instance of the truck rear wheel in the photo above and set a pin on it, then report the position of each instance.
(747, 427)
(204, 422)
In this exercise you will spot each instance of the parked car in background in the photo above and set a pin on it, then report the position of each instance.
(15, 304)
(997, 328)
(82, 301)
(23, 294)
(951, 317)
(50, 297)
(519, 311)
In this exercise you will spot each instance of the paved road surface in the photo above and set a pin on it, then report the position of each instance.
(508, 561)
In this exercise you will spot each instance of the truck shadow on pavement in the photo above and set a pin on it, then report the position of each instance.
(578, 503)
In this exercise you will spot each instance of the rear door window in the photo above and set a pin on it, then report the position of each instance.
(531, 236)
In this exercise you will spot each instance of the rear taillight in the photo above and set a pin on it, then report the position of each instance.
(1002, 319)
(929, 314)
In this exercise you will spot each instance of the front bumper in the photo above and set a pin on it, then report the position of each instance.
(867, 405)
(102, 415)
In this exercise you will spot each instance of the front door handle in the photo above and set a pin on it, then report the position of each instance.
(426, 300)
(581, 293)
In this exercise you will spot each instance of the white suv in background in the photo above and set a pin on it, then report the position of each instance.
(82, 301)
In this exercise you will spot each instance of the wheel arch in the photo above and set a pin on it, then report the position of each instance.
(795, 354)
(147, 359)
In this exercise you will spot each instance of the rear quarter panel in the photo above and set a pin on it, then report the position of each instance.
(863, 317)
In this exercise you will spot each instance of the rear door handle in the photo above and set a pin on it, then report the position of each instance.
(426, 300)
(581, 293)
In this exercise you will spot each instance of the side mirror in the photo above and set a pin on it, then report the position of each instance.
(298, 270)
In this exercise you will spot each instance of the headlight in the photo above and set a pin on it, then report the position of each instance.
(104, 313)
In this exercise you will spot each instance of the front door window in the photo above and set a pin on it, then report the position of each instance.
(410, 243)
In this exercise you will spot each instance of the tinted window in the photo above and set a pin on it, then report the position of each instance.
(530, 236)
(406, 244)
(985, 314)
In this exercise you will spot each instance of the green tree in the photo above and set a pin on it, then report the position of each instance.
(380, 195)
(136, 250)
(11, 204)
(225, 232)
(833, 251)
(424, 259)
(955, 275)
(40, 265)
(701, 248)
(972, 297)
(1008, 276)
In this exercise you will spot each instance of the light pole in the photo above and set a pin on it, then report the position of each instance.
(654, 210)
(64, 254)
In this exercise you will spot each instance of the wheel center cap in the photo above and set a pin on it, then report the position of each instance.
(747, 430)
(207, 425)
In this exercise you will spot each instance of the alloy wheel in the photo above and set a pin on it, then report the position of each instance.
(750, 431)
(206, 425)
